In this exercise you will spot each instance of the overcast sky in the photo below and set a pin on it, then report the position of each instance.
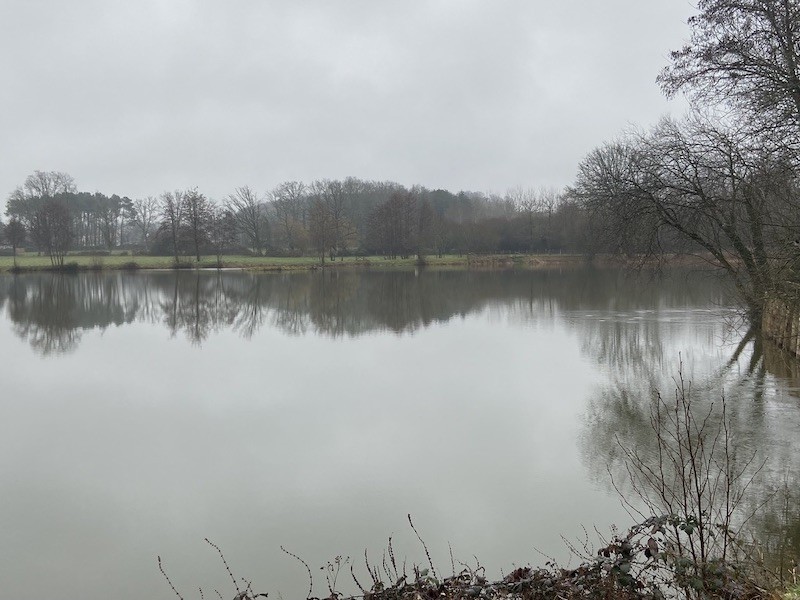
(137, 97)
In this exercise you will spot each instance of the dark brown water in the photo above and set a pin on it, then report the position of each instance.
(144, 412)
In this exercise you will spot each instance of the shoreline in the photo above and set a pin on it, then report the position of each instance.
(125, 262)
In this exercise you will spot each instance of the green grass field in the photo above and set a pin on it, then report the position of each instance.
(32, 262)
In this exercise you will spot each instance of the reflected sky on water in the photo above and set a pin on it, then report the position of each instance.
(143, 412)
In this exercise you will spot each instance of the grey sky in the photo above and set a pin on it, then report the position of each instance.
(138, 97)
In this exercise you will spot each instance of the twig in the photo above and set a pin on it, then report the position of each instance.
(224, 562)
(358, 583)
(308, 569)
(421, 541)
(164, 573)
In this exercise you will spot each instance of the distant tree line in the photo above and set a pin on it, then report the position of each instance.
(326, 218)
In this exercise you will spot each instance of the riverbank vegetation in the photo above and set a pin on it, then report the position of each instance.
(691, 539)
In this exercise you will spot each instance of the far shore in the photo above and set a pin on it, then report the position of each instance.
(31, 262)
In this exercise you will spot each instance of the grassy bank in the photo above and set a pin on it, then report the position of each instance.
(32, 262)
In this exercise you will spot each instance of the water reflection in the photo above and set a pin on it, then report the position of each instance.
(318, 409)
(52, 311)
(632, 329)
(757, 381)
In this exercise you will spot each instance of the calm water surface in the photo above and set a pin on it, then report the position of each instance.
(144, 412)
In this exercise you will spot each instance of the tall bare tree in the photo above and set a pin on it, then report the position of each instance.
(322, 233)
(145, 215)
(197, 218)
(746, 52)
(109, 214)
(700, 188)
(334, 197)
(290, 202)
(47, 184)
(28, 198)
(250, 211)
(221, 231)
(51, 230)
(172, 206)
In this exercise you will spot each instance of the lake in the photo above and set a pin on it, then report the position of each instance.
(144, 412)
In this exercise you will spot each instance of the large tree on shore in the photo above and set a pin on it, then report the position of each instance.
(197, 219)
(727, 187)
(145, 215)
(697, 187)
(250, 211)
(27, 199)
(400, 226)
(51, 230)
(108, 216)
(745, 53)
(48, 184)
(289, 200)
(321, 229)
(334, 196)
(172, 219)
(222, 232)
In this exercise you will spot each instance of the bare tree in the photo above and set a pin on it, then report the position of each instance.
(321, 229)
(15, 235)
(47, 184)
(333, 195)
(698, 188)
(145, 214)
(743, 51)
(28, 198)
(289, 200)
(108, 215)
(172, 218)
(537, 207)
(51, 230)
(250, 213)
(525, 201)
(403, 225)
(197, 218)
(221, 231)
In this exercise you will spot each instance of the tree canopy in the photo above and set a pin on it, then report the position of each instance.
(721, 184)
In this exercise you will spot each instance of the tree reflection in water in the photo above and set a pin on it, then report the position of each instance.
(758, 382)
(51, 311)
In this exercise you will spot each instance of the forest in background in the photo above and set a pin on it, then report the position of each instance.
(326, 218)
